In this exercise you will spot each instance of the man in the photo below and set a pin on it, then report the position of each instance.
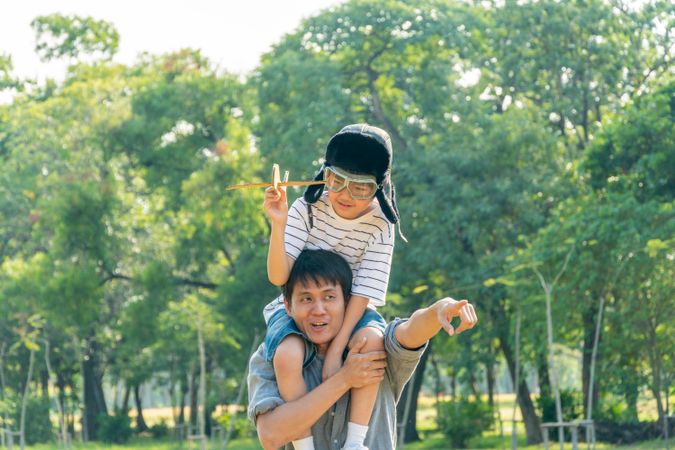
(315, 297)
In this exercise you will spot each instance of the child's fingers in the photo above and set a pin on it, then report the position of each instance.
(270, 193)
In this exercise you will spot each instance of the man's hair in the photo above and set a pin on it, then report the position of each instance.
(319, 266)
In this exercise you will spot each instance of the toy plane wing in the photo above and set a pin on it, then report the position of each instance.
(276, 182)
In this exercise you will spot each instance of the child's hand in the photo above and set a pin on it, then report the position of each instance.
(332, 363)
(276, 205)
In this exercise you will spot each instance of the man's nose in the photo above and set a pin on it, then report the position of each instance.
(318, 307)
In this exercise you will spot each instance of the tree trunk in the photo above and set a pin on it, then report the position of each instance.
(473, 385)
(44, 382)
(125, 399)
(655, 362)
(172, 396)
(490, 378)
(140, 421)
(527, 410)
(410, 431)
(437, 384)
(630, 390)
(202, 379)
(2, 379)
(589, 322)
(542, 375)
(193, 397)
(94, 401)
(24, 400)
(530, 418)
(183, 394)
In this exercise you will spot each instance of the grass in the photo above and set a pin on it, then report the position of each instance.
(433, 441)
(431, 438)
(143, 443)
(430, 441)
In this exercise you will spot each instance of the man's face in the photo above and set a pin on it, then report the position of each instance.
(318, 311)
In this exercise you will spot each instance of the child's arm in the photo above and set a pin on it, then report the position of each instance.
(355, 309)
(278, 263)
(369, 286)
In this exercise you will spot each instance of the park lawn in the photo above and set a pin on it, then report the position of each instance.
(143, 443)
(431, 438)
(434, 441)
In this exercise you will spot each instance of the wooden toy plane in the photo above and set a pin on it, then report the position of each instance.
(276, 181)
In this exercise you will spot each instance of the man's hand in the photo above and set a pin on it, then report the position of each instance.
(448, 308)
(362, 369)
(276, 205)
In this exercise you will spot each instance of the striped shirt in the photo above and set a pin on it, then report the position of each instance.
(367, 243)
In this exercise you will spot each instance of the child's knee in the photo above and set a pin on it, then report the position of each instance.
(374, 339)
(289, 355)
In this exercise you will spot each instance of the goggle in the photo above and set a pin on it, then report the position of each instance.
(360, 187)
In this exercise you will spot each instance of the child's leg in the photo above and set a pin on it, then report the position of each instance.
(363, 399)
(287, 361)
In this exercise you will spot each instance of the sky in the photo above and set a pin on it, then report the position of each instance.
(232, 34)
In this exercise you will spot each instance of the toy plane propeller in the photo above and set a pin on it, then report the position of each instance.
(276, 182)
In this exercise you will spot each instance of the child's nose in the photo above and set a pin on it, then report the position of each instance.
(346, 194)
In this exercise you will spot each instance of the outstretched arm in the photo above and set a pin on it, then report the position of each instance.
(425, 323)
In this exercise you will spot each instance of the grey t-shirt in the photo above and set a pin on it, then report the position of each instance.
(330, 431)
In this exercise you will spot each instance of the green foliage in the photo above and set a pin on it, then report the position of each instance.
(39, 428)
(160, 430)
(570, 403)
(242, 427)
(521, 132)
(463, 419)
(115, 429)
(58, 36)
(635, 151)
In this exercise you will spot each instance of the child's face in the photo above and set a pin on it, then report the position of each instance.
(343, 201)
(347, 206)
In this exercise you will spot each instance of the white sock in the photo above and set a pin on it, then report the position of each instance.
(304, 444)
(356, 433)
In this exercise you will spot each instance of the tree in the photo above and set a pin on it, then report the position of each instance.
(73, 36)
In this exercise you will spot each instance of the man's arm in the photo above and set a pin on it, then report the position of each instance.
(425, 323)
(284, 423)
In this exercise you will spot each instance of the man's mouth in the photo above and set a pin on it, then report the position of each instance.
(318, 326)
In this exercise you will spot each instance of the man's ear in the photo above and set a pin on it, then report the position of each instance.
(287, 305)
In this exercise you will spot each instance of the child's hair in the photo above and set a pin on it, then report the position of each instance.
(365, 149)
(319, 266)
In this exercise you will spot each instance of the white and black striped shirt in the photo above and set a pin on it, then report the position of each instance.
(367, 243)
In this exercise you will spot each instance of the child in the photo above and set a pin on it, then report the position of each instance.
(354, 218)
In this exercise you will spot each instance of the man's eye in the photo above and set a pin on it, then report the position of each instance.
(306, 299)
(330, 297)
